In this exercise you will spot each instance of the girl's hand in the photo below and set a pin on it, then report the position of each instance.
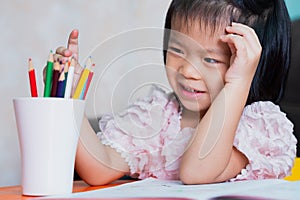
(64, 54)
(245, 54)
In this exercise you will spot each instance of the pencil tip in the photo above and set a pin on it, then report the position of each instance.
(72, 62)
(93, 66)
(30, 65)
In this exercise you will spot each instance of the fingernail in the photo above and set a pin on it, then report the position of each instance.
(67, 52)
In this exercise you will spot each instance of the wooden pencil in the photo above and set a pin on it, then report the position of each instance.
(69, 81)
(82, 80)
(88, 82)
(32, 79)
(56, 70)
(89, 65)
(61, 85)
(66, 69)
(49, 74)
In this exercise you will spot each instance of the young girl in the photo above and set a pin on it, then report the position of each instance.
(227, 62)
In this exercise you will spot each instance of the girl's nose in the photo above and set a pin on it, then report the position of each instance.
(190, 71)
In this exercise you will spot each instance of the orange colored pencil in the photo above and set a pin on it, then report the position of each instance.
(32, 79)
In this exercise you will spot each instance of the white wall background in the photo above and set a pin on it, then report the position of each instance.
(31, 28)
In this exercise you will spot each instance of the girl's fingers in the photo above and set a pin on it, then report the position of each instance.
(246, 32)
(58, 57)
(244, 39)
(239, 28)
(233, 51)
(235, 42)
(72, 49)
(73, 43)
(245, 49)
(62, 54)
(63, 51)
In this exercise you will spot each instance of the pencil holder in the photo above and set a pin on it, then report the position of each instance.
(48, 130)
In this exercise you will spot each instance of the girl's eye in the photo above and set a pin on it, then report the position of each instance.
(211, 60)
(175, 50)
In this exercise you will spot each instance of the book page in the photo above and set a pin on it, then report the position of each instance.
(153, 188)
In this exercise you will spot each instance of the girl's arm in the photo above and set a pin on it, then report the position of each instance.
(96, 163)
(210, 156)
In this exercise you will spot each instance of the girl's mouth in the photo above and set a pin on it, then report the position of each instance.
(190, 92)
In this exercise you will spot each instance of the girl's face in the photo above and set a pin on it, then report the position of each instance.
(196, 64)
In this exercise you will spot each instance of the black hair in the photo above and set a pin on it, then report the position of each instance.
(269, 19)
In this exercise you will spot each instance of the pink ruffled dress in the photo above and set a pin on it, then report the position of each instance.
(148, 136)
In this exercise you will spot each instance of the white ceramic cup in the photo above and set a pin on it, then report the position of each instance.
(48, 130)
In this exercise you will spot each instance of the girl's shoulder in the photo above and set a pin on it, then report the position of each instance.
(266, 114)
(265, 136)
(261, 107)
(157, 104)
(266, 118)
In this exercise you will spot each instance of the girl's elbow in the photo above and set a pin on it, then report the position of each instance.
(186, 177)
(193, 177)
(94, 180)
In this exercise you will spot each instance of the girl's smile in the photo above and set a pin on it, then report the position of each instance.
(190, 92)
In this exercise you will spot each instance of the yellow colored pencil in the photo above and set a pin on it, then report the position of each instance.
(81, 82)
(83, 78)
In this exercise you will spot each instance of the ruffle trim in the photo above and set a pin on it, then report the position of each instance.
(265, 137)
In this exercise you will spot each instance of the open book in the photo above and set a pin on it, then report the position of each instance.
(153, 188)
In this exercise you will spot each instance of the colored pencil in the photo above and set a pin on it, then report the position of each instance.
(56, 70)
(49, 74)
(88, 66)
(88, 82)
(66, 69)
(82, 80)
(70, 77)
(32, 79)
(61, 85)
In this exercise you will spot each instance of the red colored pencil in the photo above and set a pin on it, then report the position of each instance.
(32, 79)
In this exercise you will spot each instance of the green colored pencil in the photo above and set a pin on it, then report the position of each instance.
(49, 73)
